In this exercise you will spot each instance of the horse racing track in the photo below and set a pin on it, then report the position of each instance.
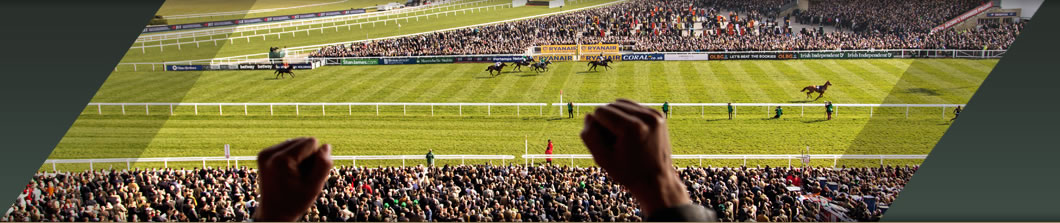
(114, 131)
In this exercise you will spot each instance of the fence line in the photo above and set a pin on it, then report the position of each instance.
(802, 112)
(529, 158)
(318, 46)
(293, 23)
(323, 110)
(240, 13)
(279, 35)
(165, 160)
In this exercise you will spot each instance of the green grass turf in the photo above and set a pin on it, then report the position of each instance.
(358, 131)
(855, 81)
(185, 7)
(256, 45)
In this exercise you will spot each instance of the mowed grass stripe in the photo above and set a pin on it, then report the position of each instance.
(417, 84)
(742, 79)
(850, 87)
(781, 80)
(504, 87)
(169, 88)
(129, 89)
(768, 80)
(943, 89)
(904, 89)
(444, 81)
(476, 79)
(812, 76)
(958, 71)
(218, 86)
(711, 84)
(572, 87)
(853, 74)
(883, 80)
(641, 86)
(391, 84)
(679, 90)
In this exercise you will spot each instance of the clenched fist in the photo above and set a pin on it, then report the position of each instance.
(291, 175)
(632, 144)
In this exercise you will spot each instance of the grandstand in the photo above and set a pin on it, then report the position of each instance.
(149, 146)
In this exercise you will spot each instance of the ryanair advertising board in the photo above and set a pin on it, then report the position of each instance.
(613, 57)
(579, 49)
(554, 57)
(599, 48)
(549, 49)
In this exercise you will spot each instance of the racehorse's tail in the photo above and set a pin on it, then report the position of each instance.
(804, 89)
(588, 64)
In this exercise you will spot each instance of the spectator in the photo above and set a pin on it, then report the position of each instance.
(430, 158)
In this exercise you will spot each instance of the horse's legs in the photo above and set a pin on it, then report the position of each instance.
(292, 74)
(819, 96)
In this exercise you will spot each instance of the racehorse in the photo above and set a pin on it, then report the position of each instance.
(816, 88)
(494, 67)
(599, 63)
(520, 64)
(284, 70)
(540, 67)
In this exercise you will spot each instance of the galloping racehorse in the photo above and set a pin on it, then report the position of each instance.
(540, 67)
(497, 68)
(816, 88)
(520, 64)
(599, 63)
(284, 70)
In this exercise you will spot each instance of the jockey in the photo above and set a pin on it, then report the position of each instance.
(498, 63)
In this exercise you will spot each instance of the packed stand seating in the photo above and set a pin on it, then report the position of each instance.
(672, 25)
(887, 16)
(451, 193)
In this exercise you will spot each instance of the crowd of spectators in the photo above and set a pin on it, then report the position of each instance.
(703, 25)
(887, 16)
(455, 193)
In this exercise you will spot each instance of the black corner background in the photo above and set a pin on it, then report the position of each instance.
(1000, 161)
(54, 55)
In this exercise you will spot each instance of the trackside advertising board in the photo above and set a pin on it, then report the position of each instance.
(549, 49)
(554, 57)
(643, 57)
(845, 55)
(613, 57)
(753, 56)
(299, 66)
(507, 59)
(482, 59)
(399, 60)
(433, 60)
(682, 57)
(184, 67)
(580, 49)
(598, 48)
(360, 61)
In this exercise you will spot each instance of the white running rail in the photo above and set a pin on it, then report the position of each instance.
(322, 105)
(165, 160)
(768, 106)
(529, 158)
